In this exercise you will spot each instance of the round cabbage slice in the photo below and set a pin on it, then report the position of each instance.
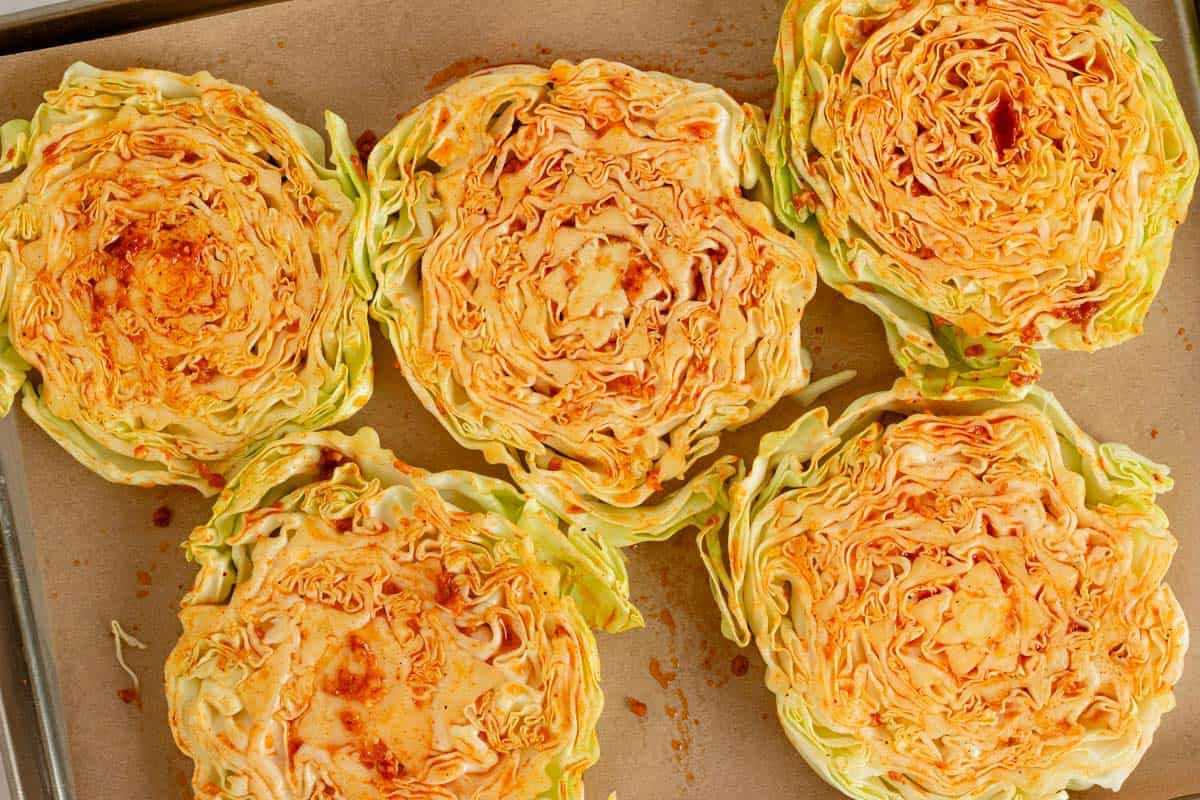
(582, 279)
(176, 271)
(993, 177)
(955, 600)
(360, 628)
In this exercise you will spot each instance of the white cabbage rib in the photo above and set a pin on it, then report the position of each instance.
(575, 284)
(992, 176)
(965, 603)
(360, 628)
(177, 263)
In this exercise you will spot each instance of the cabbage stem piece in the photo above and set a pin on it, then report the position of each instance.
(360, 628)
(955, 600)
(175, 269)
(582, 278)
(993, 177)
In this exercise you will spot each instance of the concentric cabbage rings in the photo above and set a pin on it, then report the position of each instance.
(965, 603)
(175, 266)
(575, 285)
(992, 177)
(361, 628)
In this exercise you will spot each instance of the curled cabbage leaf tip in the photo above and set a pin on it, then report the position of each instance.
(175, 271)
(581, 277)
(360, 628)
(955, 600)
(992, 177)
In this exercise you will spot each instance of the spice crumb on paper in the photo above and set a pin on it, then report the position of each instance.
(663, 677)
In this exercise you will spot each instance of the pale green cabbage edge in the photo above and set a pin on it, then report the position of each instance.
(349, 383)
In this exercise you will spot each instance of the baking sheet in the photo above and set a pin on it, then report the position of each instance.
(707, 732)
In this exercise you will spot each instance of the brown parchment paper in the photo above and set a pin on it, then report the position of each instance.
(707, 733)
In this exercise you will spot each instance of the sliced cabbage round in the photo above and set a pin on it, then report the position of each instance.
(992, 177)
(581, 278)
(360, 628)
(175, 263)
(967, 602)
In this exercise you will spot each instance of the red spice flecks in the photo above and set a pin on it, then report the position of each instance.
(201, 371)
(128, 244)
(378, 757)
(1003, 119)
(1020, 379)
(365, 684)
(351, 721)
(1079, 314)
(143, 578)
(633, 279)
(365, 143)
(342, 524)
(1030, 333)
(973, 350)
(447, 594)
(161, 517)
(637, 706)
(513, 164)
(130, 696)
(1154, 433)
(629, 386)
(213, 479)
(555, 464)
(700, 129)
(740, 665)
(805, 200)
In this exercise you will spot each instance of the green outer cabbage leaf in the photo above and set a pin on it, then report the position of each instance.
(316, 373)
(1062, 245)
(760, 599)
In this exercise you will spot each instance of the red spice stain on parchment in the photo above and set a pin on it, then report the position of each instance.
(130, 697)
